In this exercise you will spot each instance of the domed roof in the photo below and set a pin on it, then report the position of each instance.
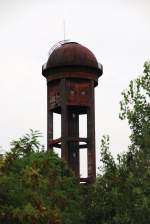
(71, 54)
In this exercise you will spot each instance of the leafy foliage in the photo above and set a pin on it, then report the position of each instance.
(28, 143)
(122, 191)
(135, 106)
(36, 186)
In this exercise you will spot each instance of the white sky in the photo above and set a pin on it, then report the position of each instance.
(116, 31)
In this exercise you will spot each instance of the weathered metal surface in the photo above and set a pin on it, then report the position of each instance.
(72, 53)
(53, 94)
(72, 72)
(49, 128)
(73, 146)
(64, 122)
(91, 134)
(77, 91)
(54, 143)
(57, 142)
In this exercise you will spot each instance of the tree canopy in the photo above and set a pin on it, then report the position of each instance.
(135, 107)
(122, 191)
(36, 186)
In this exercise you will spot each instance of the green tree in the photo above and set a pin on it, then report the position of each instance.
(122, 191)
(37, 186)
(135, 107)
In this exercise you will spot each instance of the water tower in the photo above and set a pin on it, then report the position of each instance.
(72, 73)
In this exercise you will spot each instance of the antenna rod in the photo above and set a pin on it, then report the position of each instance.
(64, 29)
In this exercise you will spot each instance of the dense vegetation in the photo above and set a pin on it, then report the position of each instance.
(37, 187)
(122, 192)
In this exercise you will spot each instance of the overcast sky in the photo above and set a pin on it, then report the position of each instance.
(116, 31)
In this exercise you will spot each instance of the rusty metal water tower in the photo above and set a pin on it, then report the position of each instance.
(72, 72)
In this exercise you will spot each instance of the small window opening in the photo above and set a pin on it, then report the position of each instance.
(72, 92)
(83, 93)
(73, 115)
